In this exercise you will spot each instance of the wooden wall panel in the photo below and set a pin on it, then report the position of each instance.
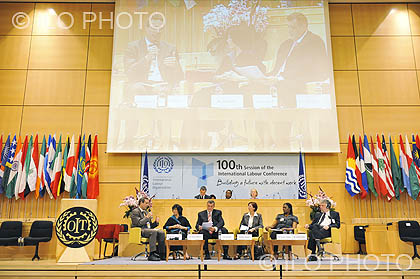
(105, 28)
(416, 46)
(55, 87)
(100, 53)
(110, 198)
(389, 88)
(341, 23)
(384, 53)
(58, 52)
(14, 51)
(326, 167)
(10, 120)
(391, 120)
(51, 120)
(346, 88)
(118, 167)
(349, 122)
(61, 19)
(380, 19)
(98, 87)
(12, 87)
(8, 10)
(95, 121)
(343, 52)
(414, 17)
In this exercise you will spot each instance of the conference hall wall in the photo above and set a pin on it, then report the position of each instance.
(55, 81)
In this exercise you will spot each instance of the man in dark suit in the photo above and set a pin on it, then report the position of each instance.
(215, 217)
(151, 60)
(300, 59)
(321, 226)
(202, 195)
(142, 217)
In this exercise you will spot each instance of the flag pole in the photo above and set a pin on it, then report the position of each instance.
(414, 209)
(383, 202)
(56, 205)
(371, 206)
(24, 209)
(32, 206)
(360, 205)
(37, 207)
(377, 203)
(408, 204)
(43, 208)
(18, 210)
(1, 210)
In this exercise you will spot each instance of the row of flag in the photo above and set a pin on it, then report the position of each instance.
(372, 168)
(24, 169)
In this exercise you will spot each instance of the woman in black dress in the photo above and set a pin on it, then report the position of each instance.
(177, 224)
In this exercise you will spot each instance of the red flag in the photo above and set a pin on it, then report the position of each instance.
(384, 178)
(93, 181)
(358, 172)
(363, 192)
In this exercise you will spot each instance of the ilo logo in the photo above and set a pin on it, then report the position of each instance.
(163, 164)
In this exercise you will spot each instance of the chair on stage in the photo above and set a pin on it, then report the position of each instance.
(41, 231)
(359, 236)
(134, 237)
(283, 252)
(10, 233)
(410, 232)
(255, 238)
(334, 239)
(109, 234)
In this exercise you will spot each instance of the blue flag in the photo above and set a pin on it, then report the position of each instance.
(302, 193)
(3, 160)
(145, 179)
(81, 169)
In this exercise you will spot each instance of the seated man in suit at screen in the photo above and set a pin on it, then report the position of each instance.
(202, 195)
(300, 59)
(321, 226)
(151, 61)
(142, 217)
(214, 219)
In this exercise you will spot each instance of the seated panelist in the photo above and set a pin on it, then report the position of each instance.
(284, 223)
(250, 224)
(214, 219)
(177, 224)
(321, 226)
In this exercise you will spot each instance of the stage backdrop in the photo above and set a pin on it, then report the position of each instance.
(181, 176)
(222, 76)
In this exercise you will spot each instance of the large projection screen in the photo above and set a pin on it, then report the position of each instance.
(222, 76)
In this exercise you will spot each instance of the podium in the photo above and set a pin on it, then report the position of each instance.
(76, 255)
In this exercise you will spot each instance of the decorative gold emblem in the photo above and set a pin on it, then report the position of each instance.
(76, 227)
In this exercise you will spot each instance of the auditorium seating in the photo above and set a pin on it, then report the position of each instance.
(41, 231)
(409, 231)
(359, 236)
(10, 233)
(335, 239)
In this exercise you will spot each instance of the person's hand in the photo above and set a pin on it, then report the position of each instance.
(212, 229)
(307, 226)
(251, 230)
(326, 228)
(178, 226)
(157, 220)
(149, 215)
(200, 228)
(267, 228)
(169, 61)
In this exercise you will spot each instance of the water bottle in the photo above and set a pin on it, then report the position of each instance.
(219, 234)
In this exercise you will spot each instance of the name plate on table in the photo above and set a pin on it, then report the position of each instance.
(227, 101)
(244, 236)
(177, 101)
(146, 101)
(262, 101)
(195, 237)
(227, 237)
(291, 236)
(172, 236)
